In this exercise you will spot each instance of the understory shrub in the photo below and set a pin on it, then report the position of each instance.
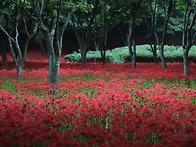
(143, 53)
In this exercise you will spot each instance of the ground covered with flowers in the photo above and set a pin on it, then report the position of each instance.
(98, 105)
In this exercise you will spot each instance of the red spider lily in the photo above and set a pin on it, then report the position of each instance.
(118, 111)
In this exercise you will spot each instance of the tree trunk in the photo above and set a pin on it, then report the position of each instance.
(130, 41)
(3, 50)
(54, 57)
(96, 43)
(4, 57)
(123, 32)
(152, 32)
(134, 8)
(154, 51)
(84, 51)
(56, 71)
(41, 44)
(187, 39)
(84, 43)
(51, 61)
(54, 67)
(103, 45)
(164, 65)
(133, 58)
(103, 53)
(186, 62)
(19, 64)
(20, 71)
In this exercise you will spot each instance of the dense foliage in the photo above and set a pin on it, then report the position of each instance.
(99, 105)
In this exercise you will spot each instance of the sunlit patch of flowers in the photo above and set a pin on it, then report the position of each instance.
(99, 105)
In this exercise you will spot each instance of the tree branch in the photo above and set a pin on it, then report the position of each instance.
(194, 39)
(23, 8)
(7, 34)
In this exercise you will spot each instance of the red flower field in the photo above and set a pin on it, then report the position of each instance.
(98, 105)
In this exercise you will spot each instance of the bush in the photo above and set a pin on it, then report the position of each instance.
(74, 57)
(143, 53)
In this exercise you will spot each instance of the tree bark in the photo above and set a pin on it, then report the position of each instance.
(84, 42)
(154, 51)
(97, 48)
(103, 44)
(123, 29)
(161, 46)
(4, 55)
(103, 31)
(186, 62)
(83, 55)
(151, 27)
(41, 44)
(159, 42)
(3, 50)
(164, 65)
(133, 58)
(187, 38)
(19, 64)
(20, 72)
(130, 39)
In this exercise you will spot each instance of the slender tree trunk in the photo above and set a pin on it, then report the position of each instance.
(164, 65)
(161, 48)
(103, 45)
(40, 42)
(123, 32)
(155, 54)
(51, 59)
(84, 51)
(153, 42)
(134, 8)
(103, 53)
(188, 38)
(162, 43)
(4, 57)
(20, 72)
(103, 31)
(130, 41)
(19, 64)
(3, 50)
(54, 67)
(56, 71)
(154, 51)
(186, 62)
(84, 43)
(103, 56)
(151, 27)
(96, 43)
(133, 58)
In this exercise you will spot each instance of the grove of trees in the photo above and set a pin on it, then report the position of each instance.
(91, 20)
